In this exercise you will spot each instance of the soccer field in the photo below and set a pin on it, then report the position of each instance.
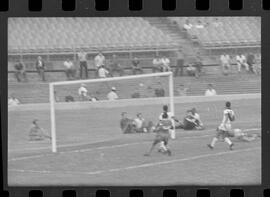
(93, 151)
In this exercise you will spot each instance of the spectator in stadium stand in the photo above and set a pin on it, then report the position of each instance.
(191, 70)
(56, 98)
(238, 63)
(198, 64)
(40, 66)
(112, 95)
(182, 90)
(13, 101)
(225, 63)
(99, 61)
(157, 64)
(250, 62)
(187, 25)
(210, 91)
(199, 25)
(115, 66)
(20, 71)
(165, 64)
(103, 72)
(83, 93)
(69, 69)
(136, 68)
(82, 56)
(217, 23)
(179, 63)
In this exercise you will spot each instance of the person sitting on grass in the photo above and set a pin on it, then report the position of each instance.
(36, 132)
(126, 124)
(190, 122)
(141, 125)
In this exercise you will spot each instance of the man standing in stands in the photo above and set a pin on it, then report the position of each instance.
(115, 66)
(179, 63)
(99, 61)
(250, 62)
(70, 69)
(157, 64)
(225, 63)
(210, 91)
(40, 66)
(103, 72)
(136, 67)
(82, 56)
(20, 71)
(166, 64)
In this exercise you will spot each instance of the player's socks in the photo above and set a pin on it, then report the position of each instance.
(231, 146)
(209, 145)
(169, 152)
(227, 140)
(214, 142)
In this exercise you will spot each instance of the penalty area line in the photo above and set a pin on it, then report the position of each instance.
(136, 166)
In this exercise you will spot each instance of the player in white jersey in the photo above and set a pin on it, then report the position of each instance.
(225, 127)
(171, 117)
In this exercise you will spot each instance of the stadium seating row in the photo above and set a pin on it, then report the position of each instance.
(223, 31)
(62, 33)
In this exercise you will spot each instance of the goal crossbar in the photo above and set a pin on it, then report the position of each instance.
(52, 96)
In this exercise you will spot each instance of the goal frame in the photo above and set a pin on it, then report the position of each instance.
(52, 95)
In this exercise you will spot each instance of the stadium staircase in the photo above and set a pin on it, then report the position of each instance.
(173, 30)
(38, 92)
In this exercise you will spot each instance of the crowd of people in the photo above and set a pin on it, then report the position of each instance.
(112, 66)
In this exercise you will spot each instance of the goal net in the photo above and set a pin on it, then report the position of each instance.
(85, 111)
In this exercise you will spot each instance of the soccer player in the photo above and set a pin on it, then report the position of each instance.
(36, 132)
(171, 117)
(225, 127)
(163, 134)
(242, 136)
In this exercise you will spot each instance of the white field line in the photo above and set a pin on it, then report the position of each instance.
(106, 147)
(136, 166)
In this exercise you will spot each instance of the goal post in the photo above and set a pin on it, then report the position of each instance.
(54, 85)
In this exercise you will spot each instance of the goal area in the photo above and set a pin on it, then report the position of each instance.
(80, 118)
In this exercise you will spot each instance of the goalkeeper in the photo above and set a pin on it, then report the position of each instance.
(36, 132)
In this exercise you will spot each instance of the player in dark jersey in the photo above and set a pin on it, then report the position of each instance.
(162, 134)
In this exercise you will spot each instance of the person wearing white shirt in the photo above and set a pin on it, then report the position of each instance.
(199, 25)
(83, 92)
(165, 64)
(12, 101)
(103, 72)
(82, 56)
(70, 70)
(157, 64)
(244, 62)
(210, 91)
(112, 95)
(187, 25)
(99, 60)
(225, 63)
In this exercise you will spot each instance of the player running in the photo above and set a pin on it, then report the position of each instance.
(36, 132)
(225, 127)
(162, 134)
(171, 117)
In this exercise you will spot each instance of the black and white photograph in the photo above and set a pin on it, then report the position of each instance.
(134, 101)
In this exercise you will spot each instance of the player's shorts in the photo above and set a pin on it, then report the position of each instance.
(162, 136)
(222, 133)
